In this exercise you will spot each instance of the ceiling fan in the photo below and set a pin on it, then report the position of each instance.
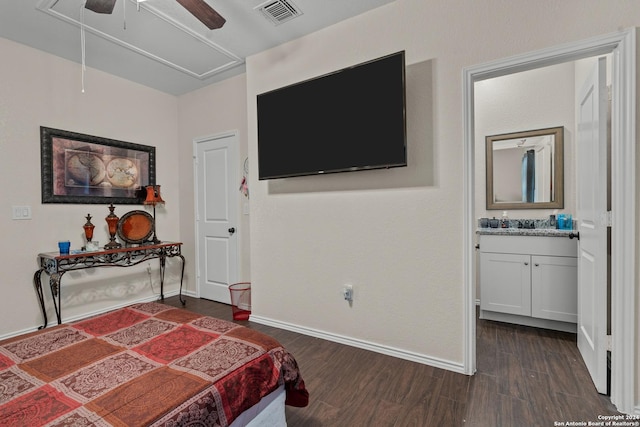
(198, 8)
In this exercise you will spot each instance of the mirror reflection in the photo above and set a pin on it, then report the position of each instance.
(525, 169)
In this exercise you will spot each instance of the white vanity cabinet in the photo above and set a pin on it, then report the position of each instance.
(529, 280)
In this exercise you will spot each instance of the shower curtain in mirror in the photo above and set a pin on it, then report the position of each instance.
(528, 176)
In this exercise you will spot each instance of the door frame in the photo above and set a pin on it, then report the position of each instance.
(623, 193)
(228, 134)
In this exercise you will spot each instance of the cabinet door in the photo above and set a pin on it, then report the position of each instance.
(554, 288)
(505, 283)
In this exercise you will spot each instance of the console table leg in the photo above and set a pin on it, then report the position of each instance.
(181, 279)
(38, 284)
(54, 284)
(163, 261)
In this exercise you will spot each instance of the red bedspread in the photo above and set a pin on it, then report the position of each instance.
(147, 364)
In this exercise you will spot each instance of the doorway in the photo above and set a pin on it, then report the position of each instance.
(535, 99)
(622, 45)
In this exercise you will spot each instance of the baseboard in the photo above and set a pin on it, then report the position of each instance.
(91, 314)
(366, 345)
(192, 294)
(529, 321)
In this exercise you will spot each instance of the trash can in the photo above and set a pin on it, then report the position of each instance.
(240, 300)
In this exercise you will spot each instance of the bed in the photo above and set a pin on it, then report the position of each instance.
(147, 364)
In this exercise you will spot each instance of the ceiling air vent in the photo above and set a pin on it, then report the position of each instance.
(279, 11)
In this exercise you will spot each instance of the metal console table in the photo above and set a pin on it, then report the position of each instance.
(55, 265)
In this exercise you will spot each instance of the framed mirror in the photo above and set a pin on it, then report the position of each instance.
(525, 170)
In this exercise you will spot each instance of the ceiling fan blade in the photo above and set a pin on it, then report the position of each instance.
(101, 6)
(205, 13)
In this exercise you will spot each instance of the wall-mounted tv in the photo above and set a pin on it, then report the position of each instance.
(348, 120)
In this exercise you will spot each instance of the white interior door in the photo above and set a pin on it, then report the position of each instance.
(544, 173)
(216, 215)
(591, 214)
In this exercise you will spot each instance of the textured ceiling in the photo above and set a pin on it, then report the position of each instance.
(160, 44)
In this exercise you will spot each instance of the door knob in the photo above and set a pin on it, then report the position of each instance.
(232, 230)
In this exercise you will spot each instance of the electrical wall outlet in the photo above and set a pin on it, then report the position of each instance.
(347, 292)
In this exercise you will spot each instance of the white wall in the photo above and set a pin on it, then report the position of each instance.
(210, 111)
(400, 247)
(535, 99)
(507, 182)
(38, 89)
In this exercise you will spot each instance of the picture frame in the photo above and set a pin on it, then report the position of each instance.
(85, 169)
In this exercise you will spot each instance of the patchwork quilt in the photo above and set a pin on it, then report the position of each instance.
(144, 365)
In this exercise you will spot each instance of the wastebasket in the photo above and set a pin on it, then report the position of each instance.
(240, 300)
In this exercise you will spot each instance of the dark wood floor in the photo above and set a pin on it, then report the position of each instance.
(525, 377)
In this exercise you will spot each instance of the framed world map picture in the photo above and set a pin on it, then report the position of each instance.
(84, 169)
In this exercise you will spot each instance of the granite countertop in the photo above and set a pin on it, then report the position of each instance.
(546, 232)
(523, 227)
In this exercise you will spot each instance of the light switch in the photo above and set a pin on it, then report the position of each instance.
(21, 212)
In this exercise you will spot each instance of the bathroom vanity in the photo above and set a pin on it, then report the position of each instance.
(529, 277)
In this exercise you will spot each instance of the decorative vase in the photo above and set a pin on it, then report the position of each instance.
(112, 224)
(88, 228)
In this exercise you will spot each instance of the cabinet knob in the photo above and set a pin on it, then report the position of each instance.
(537, 265)
(526, 263)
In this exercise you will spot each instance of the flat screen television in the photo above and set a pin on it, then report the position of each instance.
(352, 119)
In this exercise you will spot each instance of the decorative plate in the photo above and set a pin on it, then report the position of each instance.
(135, 227)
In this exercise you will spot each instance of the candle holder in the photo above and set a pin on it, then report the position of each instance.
(112, 224)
